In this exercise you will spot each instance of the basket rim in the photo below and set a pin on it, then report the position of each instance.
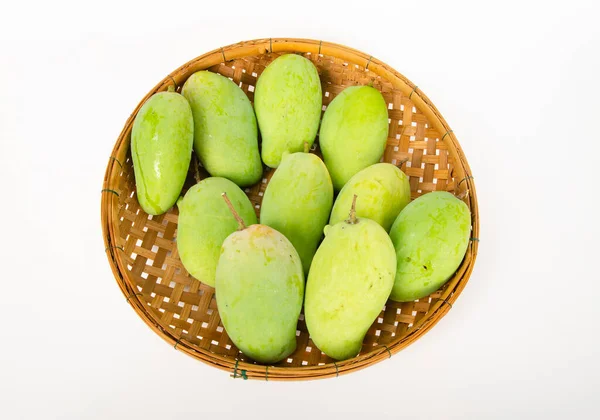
(109, 207)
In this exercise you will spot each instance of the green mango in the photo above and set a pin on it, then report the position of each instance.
(225, 132)
(288, 104)
(383, 189)
(161, 149)
(205, 222)
(431, 236)
(259, 289)
(297, 202)
(350, 279)
(353, 132)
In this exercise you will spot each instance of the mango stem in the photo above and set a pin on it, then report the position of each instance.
(306, 147)
(402, 162)
(241, 224)
(352, 216)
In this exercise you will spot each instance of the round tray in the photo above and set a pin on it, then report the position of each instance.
(142, 249)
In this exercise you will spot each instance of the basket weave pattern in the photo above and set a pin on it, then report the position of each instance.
(142, 249)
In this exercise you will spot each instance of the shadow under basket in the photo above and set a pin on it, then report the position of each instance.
(142, 249)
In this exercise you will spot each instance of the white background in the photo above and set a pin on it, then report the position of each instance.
(518, 83)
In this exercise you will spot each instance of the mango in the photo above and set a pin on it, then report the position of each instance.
(353, 132)
(350, 279)
(205, 222)
(430, 236)
(288, 104)
(259, 289)
(383, 189)
(297, 202)
(161, 149)
(225, 132)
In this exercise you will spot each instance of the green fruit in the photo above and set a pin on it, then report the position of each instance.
(288, 106)
(353, 132)
(383, 189)
(225, 133)
(350, 279)
(431, 236)
(161, 149)
(205, 222)
(297, 202)
(259, 288)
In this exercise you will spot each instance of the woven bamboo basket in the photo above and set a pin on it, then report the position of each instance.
(142, 249)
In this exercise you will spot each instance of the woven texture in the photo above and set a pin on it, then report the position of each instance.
(142, 249)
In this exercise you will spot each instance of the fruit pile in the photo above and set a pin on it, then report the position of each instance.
(377, 244)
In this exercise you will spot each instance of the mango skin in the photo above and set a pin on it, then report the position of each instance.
(288, 103)
(353, 132)
(383, 189)
(350, 279)
(161, 149)
(430, 236)
(259, 288)
(205, 222)
(225, 132)
(297, 202)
